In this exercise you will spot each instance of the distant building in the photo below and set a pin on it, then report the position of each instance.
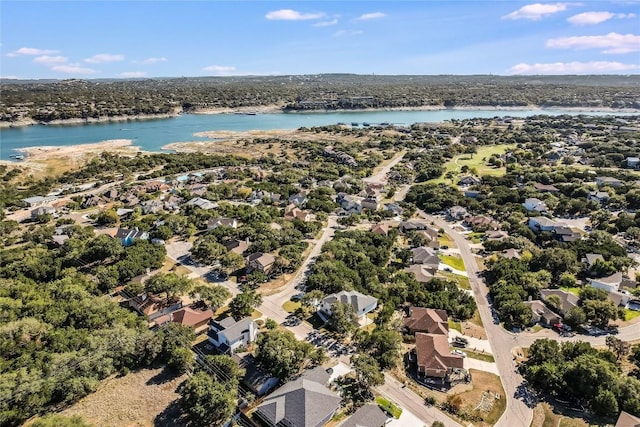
(202, 203)
(362, 304)
(633, 162)
(42, 210)
(546, 188)
(607, 180)
(533, 204)
(127, 237)
(36, 201)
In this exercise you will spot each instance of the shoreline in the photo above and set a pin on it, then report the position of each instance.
(44, 152)
(277, 109)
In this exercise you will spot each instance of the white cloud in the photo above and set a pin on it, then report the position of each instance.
(536, 11)
(292, 15)
(50, 60)
(345, 33)
(104, 58)
(590, 18)
(593, 67)
(221, 70)
(32, 51)
(73, 69)
(372, 15)
(326, 23)
(611, 43)
(154, 60)
(132, 74)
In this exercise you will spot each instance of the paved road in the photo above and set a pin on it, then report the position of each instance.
(381, 174)
(517, 413)
(414, 403)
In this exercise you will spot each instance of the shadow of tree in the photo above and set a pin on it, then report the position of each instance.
(170, 417)
(163, 377)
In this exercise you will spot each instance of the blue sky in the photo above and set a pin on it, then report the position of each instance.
(100, 39)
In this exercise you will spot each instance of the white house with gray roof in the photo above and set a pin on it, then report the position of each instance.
(228, 334)
(362, 304)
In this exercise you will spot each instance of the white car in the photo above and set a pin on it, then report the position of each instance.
(459, 353)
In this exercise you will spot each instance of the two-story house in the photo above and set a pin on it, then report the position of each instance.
(228, 334)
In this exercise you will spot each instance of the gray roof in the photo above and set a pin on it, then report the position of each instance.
(232, 329)
(300, 403)
(357, 300)
(567, 299)
(424, 255)
(592, 258)
(369, 415)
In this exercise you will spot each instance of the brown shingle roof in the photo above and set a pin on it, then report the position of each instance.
(433, 355)
(428, 320)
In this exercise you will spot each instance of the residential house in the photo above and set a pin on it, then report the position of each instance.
(423, 273)
(37, 201)
(362, 304)
(257, 380)
(625, 419)
(111, 194)
(304, 402)
(123, 212)
(155, 186)
(542, 314)
(633, 162)
(151, 206)
(298, 199)
(349, 203)
(130, 200)
(414, 225)
(541, 223)
(369, 415)
(382, 229)
(292, 212)
(495, 235)
(610, 283)
(227, 335)
(91, 201)
(150, 305)
(607, 180)
(469, 180)
(127, 237)
(598, 196)
(258, 196)
(237, 246)
(260, 262)
(567, 299)
(425, 255)
(533, 204)
(198, 190)
(511, 254)
(590, 260)
(202, 203)
(566, 234)
(42, 210)
(432, 358)
(222, 222)
(426, 320)
(370, 203)
(481, 223)
(546, 188)
(456, 213)
(194, 318)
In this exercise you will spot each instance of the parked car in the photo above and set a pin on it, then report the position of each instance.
(459, 353)
(297, 297)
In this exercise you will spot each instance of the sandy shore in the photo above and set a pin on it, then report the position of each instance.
(76, 152)
(78, 121)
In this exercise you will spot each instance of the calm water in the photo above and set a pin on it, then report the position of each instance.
(151, 135)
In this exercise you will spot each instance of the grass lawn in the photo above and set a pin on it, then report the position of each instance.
(477, 355)
(476, 319)
(475, 237)
(630, 314)
(256, 314)
(574, 290)
(544, 416)
(463, 282)
(389, 407)
(445, 240)
(452, 261)
(455, 325)
(291, 306)
(477, 161)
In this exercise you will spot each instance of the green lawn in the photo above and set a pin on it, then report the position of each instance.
(475, 237)
(477, 355)
(463, 282)
(630, 314)
(389, 407)
(574, 290)
(291, 306)
(455, 325)
(452, 261)
(477, 161)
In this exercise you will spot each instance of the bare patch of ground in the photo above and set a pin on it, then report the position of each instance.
(140, 399)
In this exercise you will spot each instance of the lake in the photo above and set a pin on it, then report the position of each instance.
(152, 135)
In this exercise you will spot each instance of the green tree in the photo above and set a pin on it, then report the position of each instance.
(213, 295)
(599, 313)
(181, 360)
(169, 284)
(225, 369)
(243, 304)
(368, 372)
(343, 319)
(107, 218)
(281, 354)
(207, 250)
(605, 404)
(206, 402)
(56, 420)
(575, 317)
(617, 346)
